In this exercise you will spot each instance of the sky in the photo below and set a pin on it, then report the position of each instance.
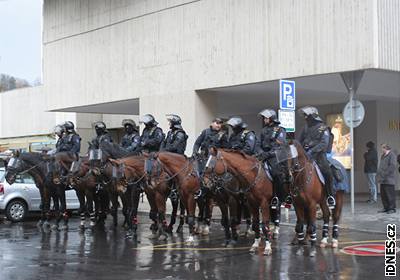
(21, 38)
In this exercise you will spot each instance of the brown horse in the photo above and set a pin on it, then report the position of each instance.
(308, 191)
(181, 170)
(133, 172)
(250, 173)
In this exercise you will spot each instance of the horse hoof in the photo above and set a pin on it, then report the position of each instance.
(162, 237)
(255, 245)
(267, 252)
(324, 242)
(206, 230)
(190, 239)
(55, 228)
(335, 243)
(154, 236)
(179, 229)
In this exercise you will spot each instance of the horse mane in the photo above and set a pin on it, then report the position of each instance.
(31, 157)
(239, 152)
(114, 150)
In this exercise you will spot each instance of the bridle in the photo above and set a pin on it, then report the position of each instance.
(212, 162)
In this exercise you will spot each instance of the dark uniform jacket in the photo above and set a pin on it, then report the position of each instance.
(70, 142)
(271, 139)
(175, 142)
(245, 141)
(151, 139)
(102, 138)
(131, 142)
(315, 139)
(210, 137)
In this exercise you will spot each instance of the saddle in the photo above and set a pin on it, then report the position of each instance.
(319, 173)
(267, 169)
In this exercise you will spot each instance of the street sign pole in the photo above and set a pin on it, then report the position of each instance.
(352, 81)
(352, 150)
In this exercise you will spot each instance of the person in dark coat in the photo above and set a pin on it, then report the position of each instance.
(370, 168)
(386, 177)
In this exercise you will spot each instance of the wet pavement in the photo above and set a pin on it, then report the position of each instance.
(30, 253)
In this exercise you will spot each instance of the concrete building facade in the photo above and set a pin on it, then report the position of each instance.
(207, 58)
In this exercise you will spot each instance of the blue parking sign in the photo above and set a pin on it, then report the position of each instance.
(287, 95)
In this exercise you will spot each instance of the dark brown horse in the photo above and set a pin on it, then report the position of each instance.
(133, 173)
(308, 191)
(40, 166)
(83, 182)
(253, 182)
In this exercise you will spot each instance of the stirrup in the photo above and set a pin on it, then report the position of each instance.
(331, 202)
(288, 201)
(274, 202)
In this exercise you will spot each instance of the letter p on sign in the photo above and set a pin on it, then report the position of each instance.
(287, 95)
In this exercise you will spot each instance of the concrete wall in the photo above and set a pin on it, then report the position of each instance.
(102, 51)
(23, 113)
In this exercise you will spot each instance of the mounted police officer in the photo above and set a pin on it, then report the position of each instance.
(70, 141)
(175, 142)
(131, 140)
(241, 138)
(102, 134)
(214, 136)
(272, 138)
(152, 135)
(59, 132)
(315, 139)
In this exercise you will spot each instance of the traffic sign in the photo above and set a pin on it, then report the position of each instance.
(370, 250)
(287, 95)
(287, 119)
(358, 113)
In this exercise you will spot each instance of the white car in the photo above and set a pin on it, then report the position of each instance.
(23, 196)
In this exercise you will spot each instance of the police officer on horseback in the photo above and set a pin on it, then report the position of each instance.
(315, 139)
(175, 142)
(102, 134)
(131, 140)
(152, 135)
(59, 132)
(272, 139)
(214, 136)
(241, 138)
(70, 141)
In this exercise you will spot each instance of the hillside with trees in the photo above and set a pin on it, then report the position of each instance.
(8, 82)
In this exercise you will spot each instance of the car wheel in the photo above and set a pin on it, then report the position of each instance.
(16, 210)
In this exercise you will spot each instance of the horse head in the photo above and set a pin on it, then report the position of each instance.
(21, 163)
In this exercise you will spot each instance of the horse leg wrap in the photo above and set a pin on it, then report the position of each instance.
(335, 232)
(325, 230)
(313, 232)
(299, 231)
(266, 231)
